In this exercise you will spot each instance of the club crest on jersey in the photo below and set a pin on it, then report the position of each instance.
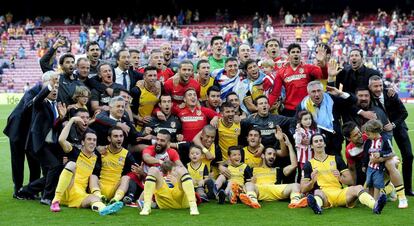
(173, 125)
(332, 163)
(270, 125)
(236, 130)
(198, 112)
(121, 160)
(301, 70)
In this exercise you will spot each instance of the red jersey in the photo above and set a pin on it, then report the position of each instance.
(177, 91)
(194, 121)
(295, 82)
(170, 154)
(353, 153)
(162, 75)
(279, 62)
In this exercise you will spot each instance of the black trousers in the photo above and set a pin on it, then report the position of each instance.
(50, 158)
(18, 153)
(403, 142)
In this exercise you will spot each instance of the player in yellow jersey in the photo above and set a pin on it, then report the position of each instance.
(263, 186)
(253, 151)
(240, 173)
(73, 181)
(117, 162)
(145, 96)
(204, 78)
(198, 171)
(228, 129)
(180, 194)
(330, 174)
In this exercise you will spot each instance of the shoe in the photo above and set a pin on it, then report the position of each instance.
(313, 204)
(55, 207)
(210, 189)
(249, 201)
(140, 203)
(193, 209)
(409, 192)
(380, 203)
(204, 198)
(110, 209)
(234, 193)
(132, 204)
(46, 201)
(221, 196)
(128, 199)
(403, 203)
(301, 203)
(22, 194)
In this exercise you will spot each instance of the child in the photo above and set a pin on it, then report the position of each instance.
(376, 147)
(81, 98)
(305, 128)
(198, 171)
(240, 173)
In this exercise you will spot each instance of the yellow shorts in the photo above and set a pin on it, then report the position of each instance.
(74, 196)
(108, 189)
(337, 197)
(271, 192)
(171, 198)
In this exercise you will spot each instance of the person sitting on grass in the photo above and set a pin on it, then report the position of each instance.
(73, 181)
(240, 173)
(330, 173)
(263, 186)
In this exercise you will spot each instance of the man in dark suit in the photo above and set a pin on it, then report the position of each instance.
(17, 128)
(115, 117)
(124, 74)
(397, 113)
(46, 123)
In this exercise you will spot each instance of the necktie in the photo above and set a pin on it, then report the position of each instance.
(124, 81)
(54, 110)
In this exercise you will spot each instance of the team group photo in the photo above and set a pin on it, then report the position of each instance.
(196, 113)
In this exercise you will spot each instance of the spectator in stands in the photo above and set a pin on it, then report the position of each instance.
(10, 86)
(29, 27)
(298, 33)
(21, 52)
(288, 19)
(26, 87)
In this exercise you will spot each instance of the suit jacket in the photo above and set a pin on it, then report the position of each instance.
(134, 76)
(394, 108)
(43, 121)
(103, 123)
(18, 122)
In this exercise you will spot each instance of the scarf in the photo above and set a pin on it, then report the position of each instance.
(324, 117)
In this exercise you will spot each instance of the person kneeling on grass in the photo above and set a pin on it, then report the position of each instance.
(73, 181)
(329, 173)
(174, 191)
(263, 186)
(240, 173)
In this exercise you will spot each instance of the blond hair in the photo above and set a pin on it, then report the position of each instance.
(80, 91)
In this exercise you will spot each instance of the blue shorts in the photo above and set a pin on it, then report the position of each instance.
(375, 178)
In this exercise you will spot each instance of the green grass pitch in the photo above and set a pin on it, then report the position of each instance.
(20, 212)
